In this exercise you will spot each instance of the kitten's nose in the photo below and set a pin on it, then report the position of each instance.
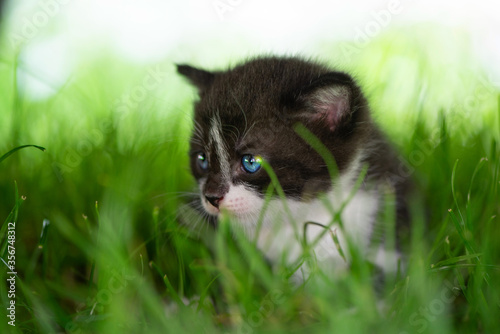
(214, 200)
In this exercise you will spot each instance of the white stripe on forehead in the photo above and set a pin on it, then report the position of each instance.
(216, 140)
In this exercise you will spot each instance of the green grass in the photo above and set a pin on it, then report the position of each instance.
(100, 244)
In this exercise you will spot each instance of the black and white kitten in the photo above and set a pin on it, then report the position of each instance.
(246, 115)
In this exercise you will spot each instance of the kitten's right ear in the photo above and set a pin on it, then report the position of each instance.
(200, 78)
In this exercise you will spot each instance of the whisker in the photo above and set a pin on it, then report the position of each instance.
(233, 134)
(245, 133)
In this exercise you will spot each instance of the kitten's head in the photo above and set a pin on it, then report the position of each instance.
(247, 114)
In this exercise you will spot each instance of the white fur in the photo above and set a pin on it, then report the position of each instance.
(243, 206)
(357, 220)
(387, 259)
(216, 140)
(282, 228)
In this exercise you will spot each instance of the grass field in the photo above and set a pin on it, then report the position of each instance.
(99, 243)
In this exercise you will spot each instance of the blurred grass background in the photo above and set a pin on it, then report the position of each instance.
(113, 256)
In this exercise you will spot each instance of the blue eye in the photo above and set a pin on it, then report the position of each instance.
(251, 163)
(202, 161)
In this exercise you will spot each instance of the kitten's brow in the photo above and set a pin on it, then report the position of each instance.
(235, 135)
(242, 111)
(198, 133)
(245, 133)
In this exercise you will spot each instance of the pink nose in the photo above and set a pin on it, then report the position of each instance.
(214, 200)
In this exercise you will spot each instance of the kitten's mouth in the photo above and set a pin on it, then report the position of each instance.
(221, 207)
(238, 202)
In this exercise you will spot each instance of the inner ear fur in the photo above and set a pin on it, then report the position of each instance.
(327, 101)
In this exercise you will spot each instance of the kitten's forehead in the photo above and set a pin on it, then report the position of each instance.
(231, 126)
(250, 134)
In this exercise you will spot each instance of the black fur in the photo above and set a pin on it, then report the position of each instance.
(258, 103)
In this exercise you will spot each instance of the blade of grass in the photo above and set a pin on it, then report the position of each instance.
(204, 294)
(267, 199)
(40, 250)
(453, 192)
(275, 183)
(170, 289)
(6, 155)
(319, 147)
(11, 218)
(454, 260)
(337, 215)
(480, 164)
(461, 232)
(254, 256)
(332, 235)
(92, 268)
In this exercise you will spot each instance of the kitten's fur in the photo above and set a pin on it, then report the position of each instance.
(252, 109)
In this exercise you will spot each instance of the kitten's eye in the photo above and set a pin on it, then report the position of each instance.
(251, 163)
(202, 161)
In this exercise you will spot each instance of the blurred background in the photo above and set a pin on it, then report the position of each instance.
(94, 82)
(55, 37)
(446, 50)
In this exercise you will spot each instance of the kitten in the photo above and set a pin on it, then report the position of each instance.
(247, 115)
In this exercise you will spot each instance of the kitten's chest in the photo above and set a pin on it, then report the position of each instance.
(285, 230)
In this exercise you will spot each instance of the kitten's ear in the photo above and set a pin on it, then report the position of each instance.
(200, 78)
(328, 100)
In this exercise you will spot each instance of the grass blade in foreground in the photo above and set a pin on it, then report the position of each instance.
(6, 155)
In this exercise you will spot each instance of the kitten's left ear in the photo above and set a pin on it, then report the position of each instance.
(328, 100)
(200, 78)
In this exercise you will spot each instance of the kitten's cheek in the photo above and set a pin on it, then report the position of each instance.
(237, 206)
(240, 202)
